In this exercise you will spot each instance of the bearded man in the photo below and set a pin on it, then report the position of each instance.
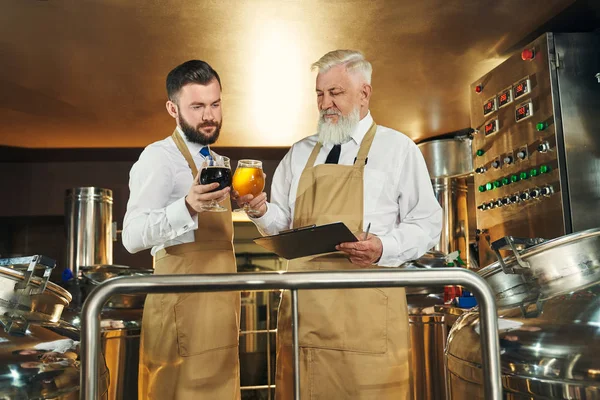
(189, 345)
(353, 342)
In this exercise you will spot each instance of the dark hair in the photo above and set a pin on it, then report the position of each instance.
(193, 71)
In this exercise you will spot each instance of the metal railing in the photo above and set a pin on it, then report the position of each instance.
(90, 335)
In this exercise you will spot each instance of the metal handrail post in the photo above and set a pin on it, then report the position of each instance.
(90, 333)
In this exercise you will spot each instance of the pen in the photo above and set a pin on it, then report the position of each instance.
(367, 232)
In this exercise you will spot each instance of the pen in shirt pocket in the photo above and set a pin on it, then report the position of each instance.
(367, 232)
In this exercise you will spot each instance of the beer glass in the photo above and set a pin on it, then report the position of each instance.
(217, 169)
(248, 179)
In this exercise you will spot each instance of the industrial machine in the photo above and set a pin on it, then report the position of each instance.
(536, 151)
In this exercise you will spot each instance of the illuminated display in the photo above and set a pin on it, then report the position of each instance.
(523, 111)
(489, 106)
(491, 127)
(521, 88)
(504, 98)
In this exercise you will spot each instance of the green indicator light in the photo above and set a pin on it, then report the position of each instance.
(480, 152)
(534, 172)
(544, 169)
(523, 175)
(540, 126)
(482, 188)
(505, 181)
(497, 184)
(488, 186)
(514, 178)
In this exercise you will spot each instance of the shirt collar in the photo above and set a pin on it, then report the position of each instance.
(362, 128)
(194, 148)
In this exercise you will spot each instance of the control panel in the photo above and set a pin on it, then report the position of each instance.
(515, 158)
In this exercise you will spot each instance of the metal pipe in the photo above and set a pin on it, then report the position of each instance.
(296, 355)
(90, 333)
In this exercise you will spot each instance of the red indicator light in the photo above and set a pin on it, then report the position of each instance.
(478, 89)
(528, 54)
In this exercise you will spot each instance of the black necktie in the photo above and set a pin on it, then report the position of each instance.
(334, 154)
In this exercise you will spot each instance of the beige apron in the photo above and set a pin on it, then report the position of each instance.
(189, 346)
(354, 343)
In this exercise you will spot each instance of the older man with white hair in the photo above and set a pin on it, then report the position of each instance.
(354, 342)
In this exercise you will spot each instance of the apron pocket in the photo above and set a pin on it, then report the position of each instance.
(206, 321)
(344, 319)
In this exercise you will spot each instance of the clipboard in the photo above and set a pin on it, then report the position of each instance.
(307, 240)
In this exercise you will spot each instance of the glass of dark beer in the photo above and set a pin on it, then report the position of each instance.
(217, 169)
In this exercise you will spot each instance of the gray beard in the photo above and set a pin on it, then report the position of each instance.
(340, 132)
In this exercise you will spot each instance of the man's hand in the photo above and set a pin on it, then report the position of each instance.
(201, 195)
(257, 206)
(363, 253)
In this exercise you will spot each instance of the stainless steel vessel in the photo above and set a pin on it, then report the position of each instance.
(548, 333)
(536, 152)
(450, 167)
(428, 333)
(39, 352)
(88, 218)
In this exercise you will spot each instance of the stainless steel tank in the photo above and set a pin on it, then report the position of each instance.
(428, 333)
(88, 214)
(548, 297)
(450, 167)
(39, 352)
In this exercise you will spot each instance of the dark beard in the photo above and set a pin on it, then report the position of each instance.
(195, 135)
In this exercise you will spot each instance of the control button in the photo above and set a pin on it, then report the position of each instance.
(547, 190)
(480, 170)
(521, 154)
(514, 178)
(489, 186)
(544, 169)
(515, 198)
(524, 175)
(528, 54)
(496, 163)
(499, 203)
(480, 152)
(491, 205)
(481, 207)
(481, 188)
(524, 196)
(508, 160)
(543, 147)
(540, 126)
(534, 172)
(497, 184)
(505, 181)
(506, 200)
(478, 89)
(533, 193)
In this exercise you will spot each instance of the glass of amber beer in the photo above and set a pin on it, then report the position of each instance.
(216, 169)
(248, 179)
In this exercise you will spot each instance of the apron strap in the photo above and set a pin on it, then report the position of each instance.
(313, 156)
(183, 149)
(365, 146)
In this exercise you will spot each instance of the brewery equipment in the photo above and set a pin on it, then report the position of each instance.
(39, 355)
(548, 298)
(536, 150)
(88, 220)
(450, 167)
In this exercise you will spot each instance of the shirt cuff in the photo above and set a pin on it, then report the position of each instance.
(389, 255)
(262, 223)
(179, 217)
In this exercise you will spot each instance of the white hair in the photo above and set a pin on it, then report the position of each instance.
(353, 60)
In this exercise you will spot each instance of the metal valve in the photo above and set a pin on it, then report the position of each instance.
(598, 77)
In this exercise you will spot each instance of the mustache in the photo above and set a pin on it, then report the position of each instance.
(207, 124)
(330, 111)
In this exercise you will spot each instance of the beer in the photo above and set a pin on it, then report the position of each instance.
(249, 178)
(221, 175)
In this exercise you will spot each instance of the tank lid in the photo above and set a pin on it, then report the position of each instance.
(81, 193)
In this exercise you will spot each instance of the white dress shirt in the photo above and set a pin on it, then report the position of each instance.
(398, 194)
(157, 216)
